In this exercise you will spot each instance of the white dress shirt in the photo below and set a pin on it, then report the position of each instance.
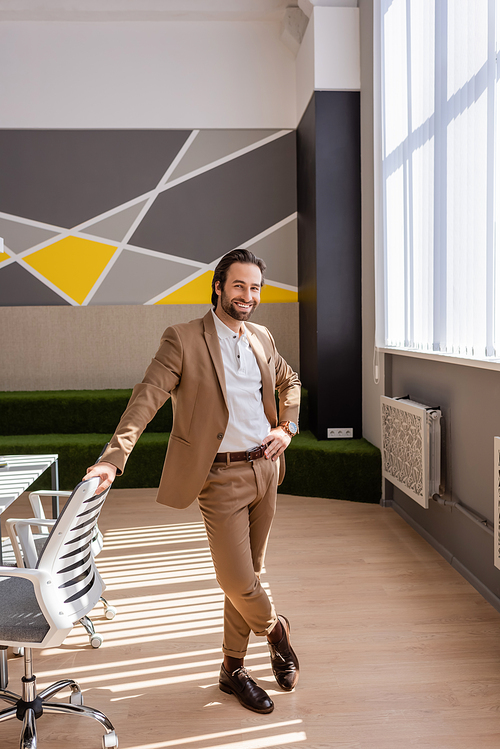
(247, 425)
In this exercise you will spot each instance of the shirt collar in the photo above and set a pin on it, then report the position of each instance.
(223, 331)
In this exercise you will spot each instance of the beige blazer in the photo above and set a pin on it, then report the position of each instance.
(188, 368)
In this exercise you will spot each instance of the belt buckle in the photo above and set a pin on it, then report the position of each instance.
(248, 453)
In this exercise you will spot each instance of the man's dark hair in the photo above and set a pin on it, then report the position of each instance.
(235, 256)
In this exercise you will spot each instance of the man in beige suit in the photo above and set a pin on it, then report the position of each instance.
(226, 450)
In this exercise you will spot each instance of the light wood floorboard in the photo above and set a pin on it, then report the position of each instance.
(397, 650)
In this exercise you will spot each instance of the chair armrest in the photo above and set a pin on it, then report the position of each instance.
(36, 576)
(51, 493)
(21, 538)
(10, 525)
(36, 503)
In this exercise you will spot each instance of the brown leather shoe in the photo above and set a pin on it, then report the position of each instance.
(283, 659)
(241, 684)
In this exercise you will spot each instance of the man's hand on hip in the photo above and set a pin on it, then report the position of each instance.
(106, 473)
(276, 443)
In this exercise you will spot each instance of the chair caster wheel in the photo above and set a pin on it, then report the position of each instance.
(110, 612)
(109, 740)
(18, 651)
(96, 640)
(76, 698)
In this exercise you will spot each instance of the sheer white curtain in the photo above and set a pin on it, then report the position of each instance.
(440, 173)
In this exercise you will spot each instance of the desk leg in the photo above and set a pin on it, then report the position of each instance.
(54, 470)
(4, 670)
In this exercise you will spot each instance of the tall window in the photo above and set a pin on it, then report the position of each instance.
(440, 176)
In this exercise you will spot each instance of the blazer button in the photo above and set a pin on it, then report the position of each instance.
(220, 436)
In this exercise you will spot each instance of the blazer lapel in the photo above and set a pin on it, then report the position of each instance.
(215, 352)
(268, 398)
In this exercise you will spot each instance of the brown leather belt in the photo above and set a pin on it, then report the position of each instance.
(245, 455)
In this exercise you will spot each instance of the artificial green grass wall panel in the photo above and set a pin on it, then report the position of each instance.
(334, 469)
(81, 412)
(79, 451)
(71, 412)
(77, 424)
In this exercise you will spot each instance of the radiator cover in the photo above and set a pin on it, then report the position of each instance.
(411, 447)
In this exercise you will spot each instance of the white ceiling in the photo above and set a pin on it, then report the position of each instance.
(155, 10)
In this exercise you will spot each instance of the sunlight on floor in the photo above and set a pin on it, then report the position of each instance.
(162, 583)
(396, 649)
(255, 743)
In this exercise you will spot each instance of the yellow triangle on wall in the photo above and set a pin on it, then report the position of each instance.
(4, 256)
(273, 294)
(73, 264)
(197, 291)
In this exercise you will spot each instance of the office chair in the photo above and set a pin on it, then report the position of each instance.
(40, 605)
(27, 546)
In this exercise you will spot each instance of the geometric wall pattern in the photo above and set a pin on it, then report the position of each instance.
(100, 217)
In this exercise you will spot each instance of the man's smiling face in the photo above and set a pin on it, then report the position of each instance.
(241, 293)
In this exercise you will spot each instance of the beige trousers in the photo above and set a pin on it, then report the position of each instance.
(238, 503)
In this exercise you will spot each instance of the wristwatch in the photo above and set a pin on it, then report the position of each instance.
(290, 427)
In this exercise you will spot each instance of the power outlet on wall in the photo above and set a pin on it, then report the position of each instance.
(339, 433)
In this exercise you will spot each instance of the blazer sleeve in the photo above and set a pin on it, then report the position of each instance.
(160, 379)
(289, 389)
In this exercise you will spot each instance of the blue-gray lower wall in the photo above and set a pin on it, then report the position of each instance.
(469, 398)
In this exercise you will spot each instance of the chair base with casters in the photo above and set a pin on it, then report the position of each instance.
(95, 638)
(41, 604)
(31, 705)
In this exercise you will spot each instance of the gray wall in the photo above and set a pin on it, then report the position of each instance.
(101, 227)
(133, 216)
(469, 398)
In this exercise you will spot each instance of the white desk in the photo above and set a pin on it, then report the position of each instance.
(17, 473)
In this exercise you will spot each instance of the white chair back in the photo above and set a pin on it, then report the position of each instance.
(40, 605)
(67, 555)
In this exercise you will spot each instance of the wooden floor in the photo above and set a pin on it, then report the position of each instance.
(396, 649)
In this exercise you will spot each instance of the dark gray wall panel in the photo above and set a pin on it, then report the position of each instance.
(19, 287)
(65, 177)
(205, 217)
(338, 238)
(329, 207)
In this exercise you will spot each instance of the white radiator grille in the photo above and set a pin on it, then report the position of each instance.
(497, 501)
(411, 447)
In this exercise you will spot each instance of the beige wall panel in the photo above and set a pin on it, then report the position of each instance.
(71, 348)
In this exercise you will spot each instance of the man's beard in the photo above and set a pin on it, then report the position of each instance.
(235, 312)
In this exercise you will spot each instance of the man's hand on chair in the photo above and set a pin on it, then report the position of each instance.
(106, 473)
